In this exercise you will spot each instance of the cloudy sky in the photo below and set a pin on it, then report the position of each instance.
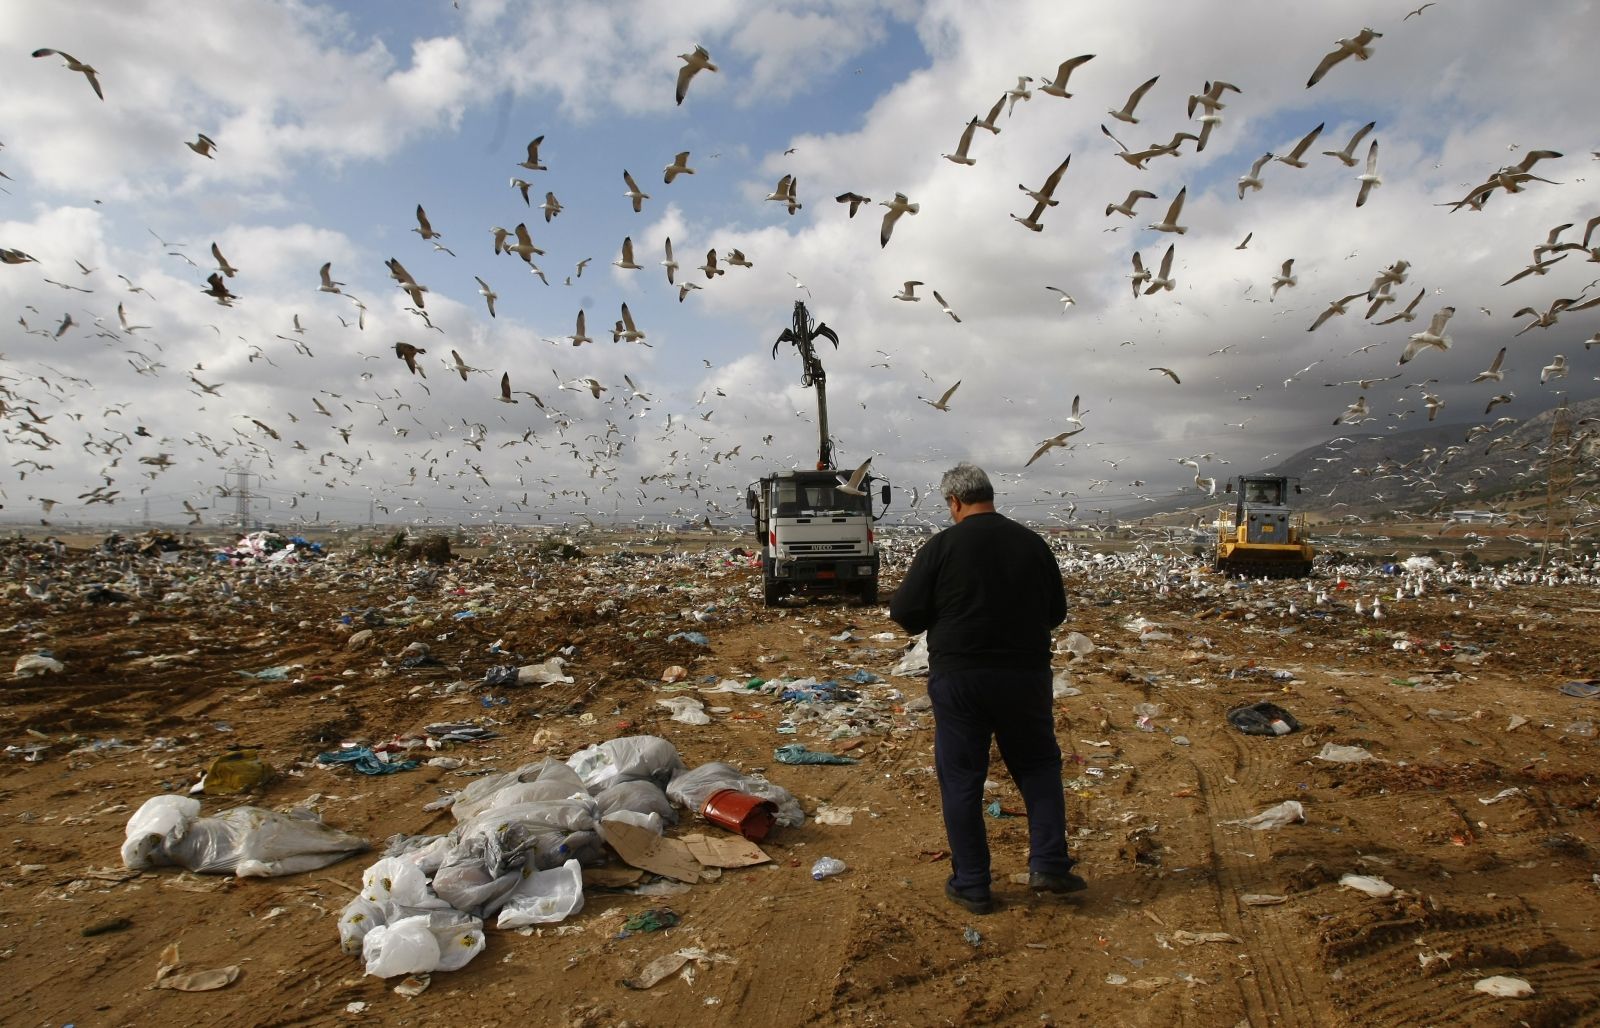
(333, 122)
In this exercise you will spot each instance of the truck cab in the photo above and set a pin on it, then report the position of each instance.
(814, 535)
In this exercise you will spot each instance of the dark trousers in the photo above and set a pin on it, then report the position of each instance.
(1013, 708)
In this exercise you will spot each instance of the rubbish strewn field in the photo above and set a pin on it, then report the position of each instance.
(1479, 806)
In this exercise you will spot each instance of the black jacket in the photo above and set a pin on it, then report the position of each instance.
(988, 591)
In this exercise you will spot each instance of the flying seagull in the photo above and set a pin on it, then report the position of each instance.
(1359, 47)
(73, 64)
(898, 206)
(943, 402)
(853, 486)
(1057, 86)
(1126, 113)
(203, 145)
(1347, 156)
(1432, 337)
(1170, 374)
(634, 193)
(1369, 178)
(679, 166)
(695, 61)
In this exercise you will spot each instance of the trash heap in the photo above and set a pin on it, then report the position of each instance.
(523, 839)
(266, 547)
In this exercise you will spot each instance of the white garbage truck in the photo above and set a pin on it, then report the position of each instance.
(814, 527)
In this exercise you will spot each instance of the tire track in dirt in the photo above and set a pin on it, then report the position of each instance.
(1277, 992)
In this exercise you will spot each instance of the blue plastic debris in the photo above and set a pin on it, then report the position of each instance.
(796, 753)
(363, 760)
(698, 638)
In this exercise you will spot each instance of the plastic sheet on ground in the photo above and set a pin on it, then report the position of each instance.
(1337, 754)
(246, 841)
(692, 788)
(364, 760)
(915, 662)
(1287, 812)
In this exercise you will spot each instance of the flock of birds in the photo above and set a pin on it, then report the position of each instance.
(599, 452)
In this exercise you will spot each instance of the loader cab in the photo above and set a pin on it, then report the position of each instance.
(1263, 508)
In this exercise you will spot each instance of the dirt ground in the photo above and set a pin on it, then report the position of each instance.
(1455, 692)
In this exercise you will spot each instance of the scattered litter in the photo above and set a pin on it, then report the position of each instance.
(365, 761)
(1263, 719)
(1504, 987)
(1516, 722)
(30, 665)
(827, 867)
(837, 816)
(1184, 938)
(234, 772)
(1503, 794)
(796, 753)
(972, 937)
(1287, 812)
(696, 638)
(1077, 644)
(686, 709)
(1367, 884)
(1583, 691)
(1343, 754)
(1257, 899)
(194, 981)
(652, 920)
(915, 662)
(249, 842)
(664, 967)
(413, 986)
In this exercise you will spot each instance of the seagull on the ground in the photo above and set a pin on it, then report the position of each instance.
(1057, 86)
(943, 402)
(1369, 178)
(1358, 46)
(1126, 207)
(1126, 113)
(73, 64)
(898, 206)
(1432, 337)
(697, 60)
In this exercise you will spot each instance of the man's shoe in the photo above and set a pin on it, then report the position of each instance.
(1043, 881)
(977, 901)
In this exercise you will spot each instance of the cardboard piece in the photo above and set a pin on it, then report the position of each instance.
(610, 877)
(643, 848)
(725, 851)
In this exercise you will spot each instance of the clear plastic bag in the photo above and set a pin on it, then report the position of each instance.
(512, 834)
(544, 897)
(359, 917)
(460, 938)
(692, 788)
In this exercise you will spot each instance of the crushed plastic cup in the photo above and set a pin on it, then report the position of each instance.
(827, 867)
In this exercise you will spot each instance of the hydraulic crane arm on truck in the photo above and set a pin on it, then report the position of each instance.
(815, 535)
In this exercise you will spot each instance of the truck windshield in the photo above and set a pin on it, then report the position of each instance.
(806, 499)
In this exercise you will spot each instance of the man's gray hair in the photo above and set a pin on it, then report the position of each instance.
(967, 483)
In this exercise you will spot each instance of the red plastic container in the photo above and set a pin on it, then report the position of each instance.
(750, 816)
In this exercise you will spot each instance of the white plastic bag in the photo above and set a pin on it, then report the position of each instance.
(1077, 644)
(396, 881)
(544, 897)
(543, 674)
(1337, 754)
(459, 937)
(1287, 812)
(632, 756)
(159, 821)
(405, 947)
(915, 662)
(359, 917)
(686, 709)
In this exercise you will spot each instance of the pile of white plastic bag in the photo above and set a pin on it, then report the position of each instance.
(518, 849)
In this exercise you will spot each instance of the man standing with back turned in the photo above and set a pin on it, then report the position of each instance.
(988, 592)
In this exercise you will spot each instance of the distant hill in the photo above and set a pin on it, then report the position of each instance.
(1436, 467)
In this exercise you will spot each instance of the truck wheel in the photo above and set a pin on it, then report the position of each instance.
(869, 594)
(772, 592)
